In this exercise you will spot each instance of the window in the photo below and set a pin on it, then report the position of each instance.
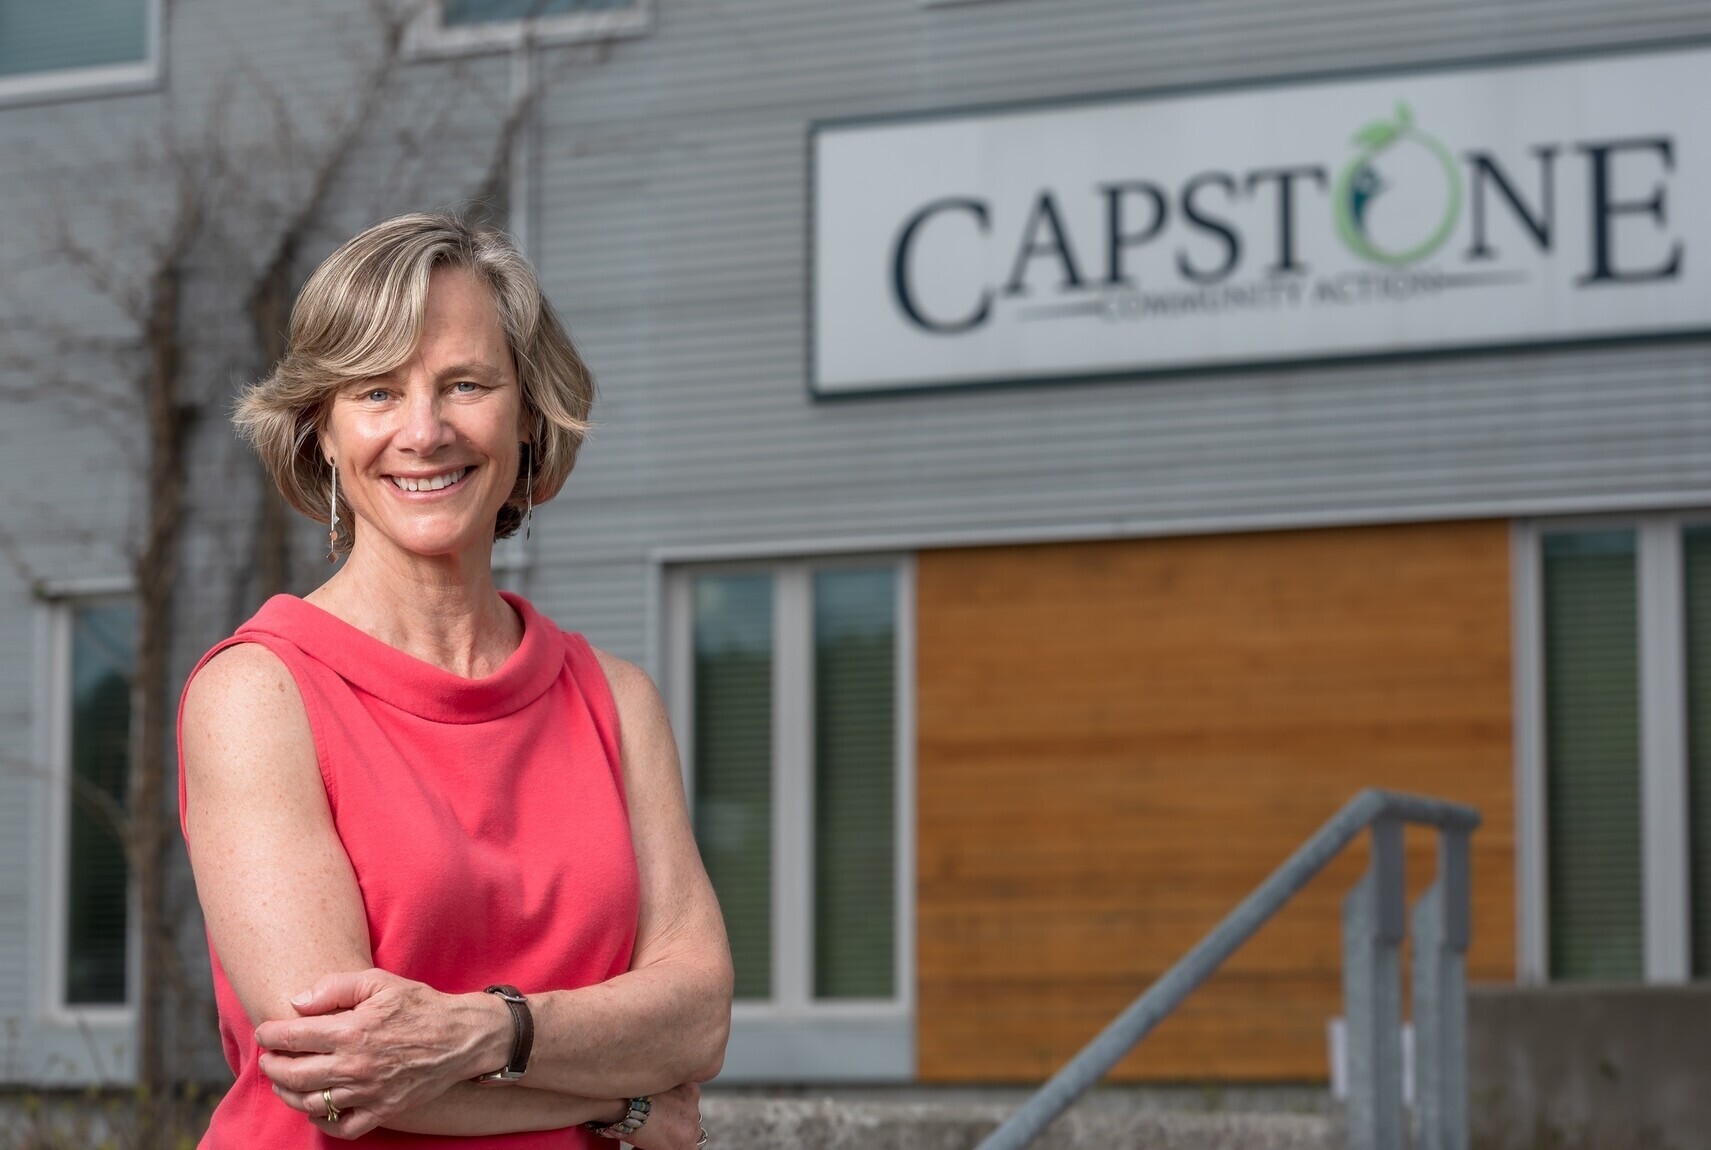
(791, 689)
(77, 46)
(1614, 693)
(459, 26)
(464, 13)
(733, 763)
(1696, 571)
(92, 944)
(1592, 736)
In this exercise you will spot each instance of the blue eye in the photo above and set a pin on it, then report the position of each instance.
(471, 385)
(377, 394)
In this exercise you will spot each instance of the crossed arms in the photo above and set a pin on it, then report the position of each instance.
(285, 915)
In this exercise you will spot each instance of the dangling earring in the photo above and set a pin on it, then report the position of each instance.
(333, 516)
(529, 515)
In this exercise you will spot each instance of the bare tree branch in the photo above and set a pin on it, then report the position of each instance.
(97, 272)
(412, 155)
(497, 179)
(14, 557)
(114, 412)
(233, 228)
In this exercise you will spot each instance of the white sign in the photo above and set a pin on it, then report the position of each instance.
(1530, 203)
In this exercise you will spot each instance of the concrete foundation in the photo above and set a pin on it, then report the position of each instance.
(1577, 1067)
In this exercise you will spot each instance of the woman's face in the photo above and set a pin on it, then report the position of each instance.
(428, 453)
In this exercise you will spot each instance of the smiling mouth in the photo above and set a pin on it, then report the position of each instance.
(430, 482)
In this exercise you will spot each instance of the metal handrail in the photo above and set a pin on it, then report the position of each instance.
(1373, 927)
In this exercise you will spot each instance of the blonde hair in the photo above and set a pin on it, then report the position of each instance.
(360, 316)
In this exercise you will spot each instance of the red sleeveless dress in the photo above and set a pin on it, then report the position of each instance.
(485, 821)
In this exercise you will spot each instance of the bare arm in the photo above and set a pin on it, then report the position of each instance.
(470, 1109)
(283, 910)
(662, 1023)
(666, 1020)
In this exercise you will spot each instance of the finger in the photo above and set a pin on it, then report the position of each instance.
(357, 1123)
(351, 1124)
(314, 1102)
(340, 990)
(302, 1073)
(301, 1035)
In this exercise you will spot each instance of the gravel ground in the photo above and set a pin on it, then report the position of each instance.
(750, 1123)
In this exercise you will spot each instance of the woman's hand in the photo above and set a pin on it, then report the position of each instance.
(674, 1123)
(382, 1045)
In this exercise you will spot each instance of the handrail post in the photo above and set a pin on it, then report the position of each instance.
(1374, 918)
(1442, 929)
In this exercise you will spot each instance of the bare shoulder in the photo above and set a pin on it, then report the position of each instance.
(240, 664)
(644, 730)
(244, 706)
(632, 689)
(247, 677)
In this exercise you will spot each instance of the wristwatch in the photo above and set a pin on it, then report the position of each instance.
(522, 1037)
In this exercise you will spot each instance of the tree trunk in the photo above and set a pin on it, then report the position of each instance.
(156, 575)
(270, 313)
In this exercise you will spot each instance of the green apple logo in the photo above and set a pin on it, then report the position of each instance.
(1393, 150)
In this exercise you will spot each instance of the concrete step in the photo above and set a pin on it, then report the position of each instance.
(742, 1122)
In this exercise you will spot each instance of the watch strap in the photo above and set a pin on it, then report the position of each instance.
(522, 1034)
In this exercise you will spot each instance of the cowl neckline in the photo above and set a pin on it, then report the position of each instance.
(409, 683)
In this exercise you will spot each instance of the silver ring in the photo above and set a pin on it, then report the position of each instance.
(702, 1145)
(332, 1114)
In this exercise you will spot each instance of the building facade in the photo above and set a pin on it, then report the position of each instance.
(1052, 454)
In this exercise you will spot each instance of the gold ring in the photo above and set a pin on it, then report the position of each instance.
(702, 1144)
(332, 1114)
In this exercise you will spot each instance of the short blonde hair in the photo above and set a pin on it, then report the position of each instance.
(360, 316)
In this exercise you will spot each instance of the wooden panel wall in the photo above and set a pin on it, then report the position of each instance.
(1119, 740)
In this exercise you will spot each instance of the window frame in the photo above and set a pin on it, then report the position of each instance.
(794, 1036)
(428, 36)
(100, 80)
(1662, 658)
(58, 606)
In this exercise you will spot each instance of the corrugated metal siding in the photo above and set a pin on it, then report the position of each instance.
(674, 238)
(65, 513)
(672, 235)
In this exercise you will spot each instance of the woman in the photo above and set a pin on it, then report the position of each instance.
(435, 839)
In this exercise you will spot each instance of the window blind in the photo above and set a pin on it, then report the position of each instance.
(98, 877)
(733, 637)
(855, 860)
(1696, 591)
(1592, 755)
(50, 37)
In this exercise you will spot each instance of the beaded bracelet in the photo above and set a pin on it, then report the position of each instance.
(629, 1123)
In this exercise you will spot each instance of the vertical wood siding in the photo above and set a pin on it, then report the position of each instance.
(1118, 741)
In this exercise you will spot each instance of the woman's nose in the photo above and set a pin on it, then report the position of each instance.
(424, 429)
